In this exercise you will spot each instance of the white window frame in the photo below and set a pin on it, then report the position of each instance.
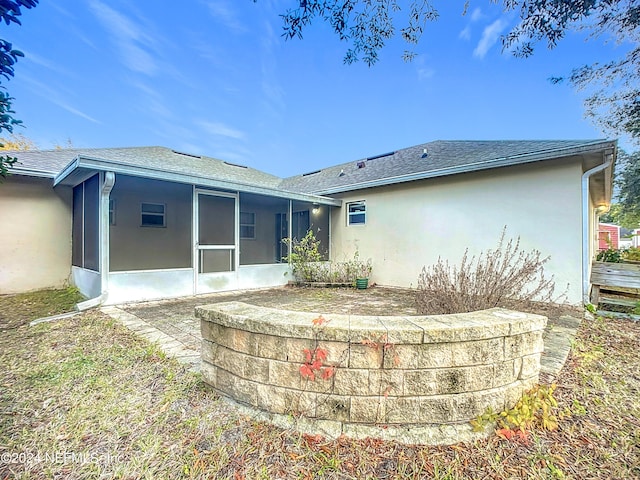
(351, 214)
(251, 224)
(162, 214)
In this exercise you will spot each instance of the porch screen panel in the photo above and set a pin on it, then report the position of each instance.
(216, 261)
(76, 226)
(216, 217)
(309, 216)
(261, 241)
(136, 246)
(216, 233)
(91, 223)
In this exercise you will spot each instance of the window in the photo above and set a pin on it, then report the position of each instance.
(247, 225)
(153, 215)
(356, 213)
(112, 211)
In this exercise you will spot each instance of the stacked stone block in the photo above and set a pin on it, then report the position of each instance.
(417, 379)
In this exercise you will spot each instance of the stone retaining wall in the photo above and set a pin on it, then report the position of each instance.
(414, 379)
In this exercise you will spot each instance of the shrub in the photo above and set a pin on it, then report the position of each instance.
(611, 255)
(632, 253)
(507, 277)
(305, 257)
(306, 262)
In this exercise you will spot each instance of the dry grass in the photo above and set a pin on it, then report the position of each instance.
(86, 386)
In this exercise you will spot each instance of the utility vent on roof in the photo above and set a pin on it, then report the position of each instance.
(186, 154)
(361, 164)
(235, 165)
(311, 173)
(380, 156)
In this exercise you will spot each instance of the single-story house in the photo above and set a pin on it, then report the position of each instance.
(608, 236)
(127, 224)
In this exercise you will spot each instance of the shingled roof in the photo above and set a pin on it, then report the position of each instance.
(52, 162)
(427, 160)
(434, 159)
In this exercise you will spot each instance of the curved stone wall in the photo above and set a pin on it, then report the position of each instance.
(417, 379)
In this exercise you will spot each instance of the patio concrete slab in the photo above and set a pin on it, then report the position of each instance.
(172, 323)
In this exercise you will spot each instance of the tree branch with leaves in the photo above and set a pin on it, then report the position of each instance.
(614, 98)
(10, 10)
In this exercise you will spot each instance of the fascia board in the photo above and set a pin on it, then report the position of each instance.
(474, 167)
(28, 172)
(134, 170)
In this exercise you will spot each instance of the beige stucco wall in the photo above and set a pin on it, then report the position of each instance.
(412, 224)
(35, 234)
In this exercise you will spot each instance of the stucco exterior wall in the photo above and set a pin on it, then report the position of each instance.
(410, 225)
(35, 234)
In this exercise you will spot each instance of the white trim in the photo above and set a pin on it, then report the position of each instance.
(353, 214)
(586, 214)
(85, 161)
(231, 275)
(552, 154)
(107, 181)
(126, 272)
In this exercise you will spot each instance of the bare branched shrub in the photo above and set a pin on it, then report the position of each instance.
(506, 277)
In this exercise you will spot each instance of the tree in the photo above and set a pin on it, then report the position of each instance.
(627, 211)
(17, 142)
(9, 13)
(366, 25)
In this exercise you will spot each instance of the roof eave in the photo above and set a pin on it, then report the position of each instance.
(29, 172)
(477, 166)
(87, 163)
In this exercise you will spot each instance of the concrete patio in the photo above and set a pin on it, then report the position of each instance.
(172, 323)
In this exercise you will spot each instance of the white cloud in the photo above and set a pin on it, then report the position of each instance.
(221, 130)
(465, 34)
(489, 38)
(222, 12)
(55, 97)
(155, 102)
(273, 92)
(476, 15)
(130, 37)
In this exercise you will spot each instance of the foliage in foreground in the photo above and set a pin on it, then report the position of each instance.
(507, 277)
(308, 265)
(10, 10)
(87, 385)
(612, 85)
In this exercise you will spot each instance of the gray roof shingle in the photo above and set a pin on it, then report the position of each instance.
(443, 157)
(52, 162)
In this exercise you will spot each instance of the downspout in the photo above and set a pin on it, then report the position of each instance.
(586, 238)
(105, 191)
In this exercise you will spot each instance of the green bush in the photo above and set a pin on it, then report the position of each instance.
(307, 265)
(632, 253)
(611, 255)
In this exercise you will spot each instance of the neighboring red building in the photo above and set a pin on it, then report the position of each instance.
(608, 236)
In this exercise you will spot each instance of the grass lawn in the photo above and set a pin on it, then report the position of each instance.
(84, 398)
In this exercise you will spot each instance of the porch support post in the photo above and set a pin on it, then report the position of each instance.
(109, 181)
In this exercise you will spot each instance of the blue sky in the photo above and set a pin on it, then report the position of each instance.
(215, 77)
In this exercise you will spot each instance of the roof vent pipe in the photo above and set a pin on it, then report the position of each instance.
(425, 153)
